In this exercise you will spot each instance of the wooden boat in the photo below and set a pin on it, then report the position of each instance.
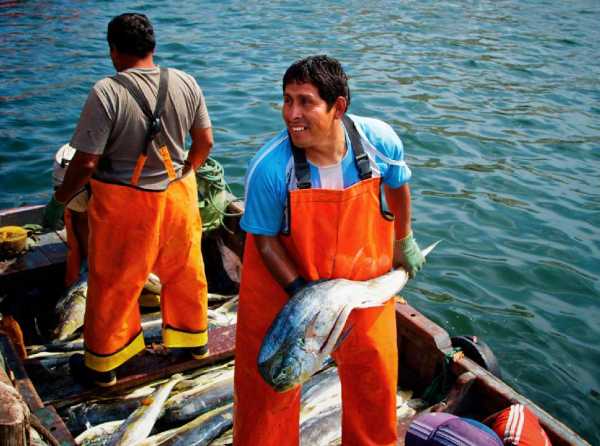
(426, 350)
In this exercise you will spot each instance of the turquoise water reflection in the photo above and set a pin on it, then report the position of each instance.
(498, 104)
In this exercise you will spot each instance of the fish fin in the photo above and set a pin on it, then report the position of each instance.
(429, 248)
(328, 339)
(342, 337)
(310, 327)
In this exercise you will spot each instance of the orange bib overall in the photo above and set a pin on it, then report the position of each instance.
(333, 234)
(134, 232)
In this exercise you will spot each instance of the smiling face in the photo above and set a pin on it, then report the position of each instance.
(311, 123)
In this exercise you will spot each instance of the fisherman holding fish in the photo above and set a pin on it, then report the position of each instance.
(326, 198)
(143, 213)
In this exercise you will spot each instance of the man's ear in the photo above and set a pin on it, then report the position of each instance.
(340, 104)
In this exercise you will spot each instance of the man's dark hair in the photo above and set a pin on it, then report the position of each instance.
(132, 34)
(324, 72)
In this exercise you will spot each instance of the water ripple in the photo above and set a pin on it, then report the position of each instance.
(496, 103)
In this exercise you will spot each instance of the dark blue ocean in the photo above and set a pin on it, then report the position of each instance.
(498, 105)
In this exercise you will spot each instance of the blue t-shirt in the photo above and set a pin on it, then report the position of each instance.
(271, 173)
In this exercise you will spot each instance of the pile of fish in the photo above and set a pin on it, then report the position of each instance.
(196, 409)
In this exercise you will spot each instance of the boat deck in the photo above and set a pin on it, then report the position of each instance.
(422, 344)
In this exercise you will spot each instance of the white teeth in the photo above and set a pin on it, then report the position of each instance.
(298, 129)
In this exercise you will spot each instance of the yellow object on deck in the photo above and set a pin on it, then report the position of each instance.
(13, 240)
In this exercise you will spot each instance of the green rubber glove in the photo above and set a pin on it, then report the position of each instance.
(408, 254)
(53, 214)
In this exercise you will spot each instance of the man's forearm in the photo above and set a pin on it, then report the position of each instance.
(78, 174)
(202, 143)
(276, 259)
(399, 203)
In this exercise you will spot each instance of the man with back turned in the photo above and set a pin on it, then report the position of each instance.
(143, 213)
(315, 210)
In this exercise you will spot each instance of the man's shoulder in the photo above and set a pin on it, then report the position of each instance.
(272, 158)
(379, 133)
(373, 126)
(106, 83)
(181, 75)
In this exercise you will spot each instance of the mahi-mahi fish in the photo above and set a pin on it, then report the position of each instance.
(71, 309)
(311, 325)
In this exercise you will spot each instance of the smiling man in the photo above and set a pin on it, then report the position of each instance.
(316, 209)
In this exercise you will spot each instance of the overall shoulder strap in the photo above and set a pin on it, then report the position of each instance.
(360, 157)
(301, 167)
(136, 93)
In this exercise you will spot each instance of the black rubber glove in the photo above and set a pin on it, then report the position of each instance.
(53, 214)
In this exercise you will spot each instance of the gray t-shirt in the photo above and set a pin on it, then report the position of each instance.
(113, 125)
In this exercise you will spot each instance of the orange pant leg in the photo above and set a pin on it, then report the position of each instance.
(368, 368)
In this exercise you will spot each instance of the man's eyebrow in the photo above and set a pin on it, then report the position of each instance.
(301, 95)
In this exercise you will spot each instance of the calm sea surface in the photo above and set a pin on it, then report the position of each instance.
(498, 105)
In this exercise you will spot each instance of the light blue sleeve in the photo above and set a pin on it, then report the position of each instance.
(266, 194)
(387, 143)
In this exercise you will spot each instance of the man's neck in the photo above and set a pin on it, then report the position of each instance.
(127, 62)
(331, 151)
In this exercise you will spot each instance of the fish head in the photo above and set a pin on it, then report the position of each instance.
(287, 371)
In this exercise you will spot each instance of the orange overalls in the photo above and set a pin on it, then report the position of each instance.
(333, 234)
(134, 232)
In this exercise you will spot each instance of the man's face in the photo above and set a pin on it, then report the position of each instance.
(307, 116)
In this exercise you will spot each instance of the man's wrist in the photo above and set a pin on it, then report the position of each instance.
(57, 201)
(405, 239)
(295, 285)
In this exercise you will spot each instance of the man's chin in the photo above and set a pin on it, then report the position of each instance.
(299, 142)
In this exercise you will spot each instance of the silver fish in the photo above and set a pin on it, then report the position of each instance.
(202, 430)
(189, 404)
(119, 406)
(71, 309)
(224, 315)
(98, 435)
(321, 409)
(158, 438)
(94, 413)
(311, 325)
(225, 439)
(139, 424)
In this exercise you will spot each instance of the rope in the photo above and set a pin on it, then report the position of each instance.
(214, 195)
(440, 385)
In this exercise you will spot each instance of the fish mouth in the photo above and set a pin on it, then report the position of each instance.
(281, 376)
